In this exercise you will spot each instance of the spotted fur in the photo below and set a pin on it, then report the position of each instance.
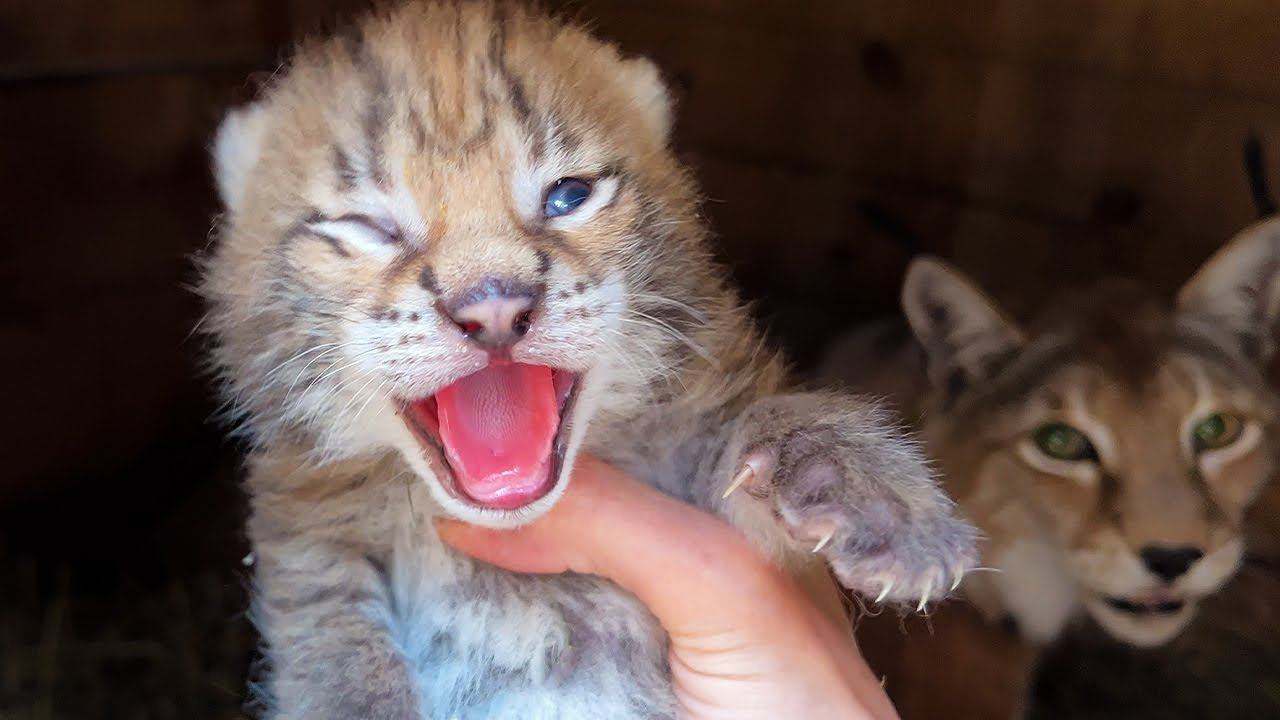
(382, 174)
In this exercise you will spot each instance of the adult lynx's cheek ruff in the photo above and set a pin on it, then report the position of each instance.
(457, 250)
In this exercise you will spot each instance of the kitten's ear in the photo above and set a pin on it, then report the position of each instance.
(964, 333)
(236, 149)
(652, 99)
(1237, 289)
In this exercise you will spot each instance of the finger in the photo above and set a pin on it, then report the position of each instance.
(526, 550)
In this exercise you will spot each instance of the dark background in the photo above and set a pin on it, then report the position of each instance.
(1037, 144)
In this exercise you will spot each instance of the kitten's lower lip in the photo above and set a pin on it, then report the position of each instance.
(422, 418)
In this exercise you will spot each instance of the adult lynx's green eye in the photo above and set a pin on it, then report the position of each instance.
(1216, 431)
(1063, 442)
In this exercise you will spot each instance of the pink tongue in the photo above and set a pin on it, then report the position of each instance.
(497, 427)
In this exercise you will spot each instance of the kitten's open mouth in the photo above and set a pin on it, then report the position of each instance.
(1146, 606)
(496, 438)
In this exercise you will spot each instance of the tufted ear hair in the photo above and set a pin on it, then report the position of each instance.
(236, 149)
(1237, 291)
(650, 95)
(964, 333)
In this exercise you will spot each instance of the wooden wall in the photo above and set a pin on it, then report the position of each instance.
(1036, 142)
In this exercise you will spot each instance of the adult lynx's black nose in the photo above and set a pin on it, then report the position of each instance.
(1169, 563)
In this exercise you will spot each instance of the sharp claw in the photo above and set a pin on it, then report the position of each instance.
(885, 592)
(956, 584)
(743, 475)
(924, 601)
(825, 539)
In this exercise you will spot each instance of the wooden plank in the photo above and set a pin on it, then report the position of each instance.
(95, 167)
(1227, 46)
(107, 196)
(88, 386)
(820, 255)
(1029, 141)
(77, 37)
(89, 38)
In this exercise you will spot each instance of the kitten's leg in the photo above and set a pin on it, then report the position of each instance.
(831, 474)
(323, 612)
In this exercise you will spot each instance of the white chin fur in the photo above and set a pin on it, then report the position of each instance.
(1144, 631)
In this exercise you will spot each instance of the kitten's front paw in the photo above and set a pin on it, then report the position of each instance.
(840, 476)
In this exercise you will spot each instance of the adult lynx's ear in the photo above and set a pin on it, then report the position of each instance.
(964, 333)
(236, 149)
(1237, 291)
(644, 81)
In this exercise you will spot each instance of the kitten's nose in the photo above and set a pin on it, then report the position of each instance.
(1169, 563)
(496, 313)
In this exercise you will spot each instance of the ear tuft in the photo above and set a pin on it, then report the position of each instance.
(964, 333)
(1237, 289)
(644, 82)
(236, 149)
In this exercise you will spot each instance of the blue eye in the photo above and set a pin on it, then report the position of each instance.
(565, 196)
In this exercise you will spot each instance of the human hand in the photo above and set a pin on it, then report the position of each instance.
(746, 642)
